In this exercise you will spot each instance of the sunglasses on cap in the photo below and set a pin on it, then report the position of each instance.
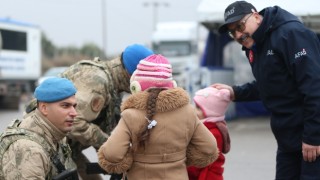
(240, 27)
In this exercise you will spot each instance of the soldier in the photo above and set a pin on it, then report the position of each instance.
(36, 147)
(100, 84)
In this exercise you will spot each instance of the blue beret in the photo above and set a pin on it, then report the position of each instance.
(54, 89)
(133, 54)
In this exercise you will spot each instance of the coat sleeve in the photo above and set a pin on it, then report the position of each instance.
(115, 154)
(301, 52)
(25, 159)
(216, 133)
(246, 92)
(202, 149)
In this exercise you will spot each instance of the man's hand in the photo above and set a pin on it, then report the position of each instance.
(224, 86)
(310, 152)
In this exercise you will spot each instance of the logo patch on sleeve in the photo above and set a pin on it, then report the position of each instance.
(301, 53)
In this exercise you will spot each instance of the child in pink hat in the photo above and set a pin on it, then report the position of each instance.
(152, 72)
(159, 134)
(211, 106)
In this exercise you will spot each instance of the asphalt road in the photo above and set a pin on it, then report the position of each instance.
(253, 150)
(253, 147)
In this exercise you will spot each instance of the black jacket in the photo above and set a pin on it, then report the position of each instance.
(286, 66)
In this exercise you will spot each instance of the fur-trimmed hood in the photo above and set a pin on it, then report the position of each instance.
(167, 100)
(178, 139)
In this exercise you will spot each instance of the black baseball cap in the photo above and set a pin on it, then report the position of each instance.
(235, 12)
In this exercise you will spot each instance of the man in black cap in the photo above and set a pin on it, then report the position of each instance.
(285, 59)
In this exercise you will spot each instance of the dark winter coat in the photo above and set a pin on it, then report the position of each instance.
(285, 62)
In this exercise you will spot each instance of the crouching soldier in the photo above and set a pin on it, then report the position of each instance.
(36, 148)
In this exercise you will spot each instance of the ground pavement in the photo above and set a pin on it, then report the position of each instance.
(252, 155)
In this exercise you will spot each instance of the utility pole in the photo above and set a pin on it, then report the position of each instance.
(155, 5)
(104, 33)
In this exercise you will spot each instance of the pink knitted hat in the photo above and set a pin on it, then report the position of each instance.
(213, 102)
(152, 72)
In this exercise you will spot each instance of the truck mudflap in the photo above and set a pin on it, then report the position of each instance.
(9, 102)
(9, 96)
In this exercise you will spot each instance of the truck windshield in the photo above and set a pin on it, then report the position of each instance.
(173, 48)
(14, 40)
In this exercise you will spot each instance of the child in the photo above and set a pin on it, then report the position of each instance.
(211, 105)
(159, 133)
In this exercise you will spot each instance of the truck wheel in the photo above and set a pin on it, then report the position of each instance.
(11, 102)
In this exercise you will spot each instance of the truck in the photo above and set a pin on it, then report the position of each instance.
(20, 60)
(178, 41)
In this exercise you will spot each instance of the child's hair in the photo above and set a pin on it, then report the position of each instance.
(143, 136)
(153, 74)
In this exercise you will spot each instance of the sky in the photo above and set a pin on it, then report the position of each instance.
(120, 22)
(76, 22)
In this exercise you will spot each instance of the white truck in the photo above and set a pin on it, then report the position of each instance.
(178, 41)
(20, 60)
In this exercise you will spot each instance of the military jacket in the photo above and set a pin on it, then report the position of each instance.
(28, 159)
(98, 97)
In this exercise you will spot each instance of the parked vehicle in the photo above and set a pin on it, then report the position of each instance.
(20, 60)
(51, 72)
(178, 41)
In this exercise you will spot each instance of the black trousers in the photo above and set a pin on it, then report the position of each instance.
(291, 166)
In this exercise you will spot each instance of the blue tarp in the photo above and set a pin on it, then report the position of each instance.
(251, 109)
(213, 53)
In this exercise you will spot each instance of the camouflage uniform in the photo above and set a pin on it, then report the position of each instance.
(99, 84)
(27, 159)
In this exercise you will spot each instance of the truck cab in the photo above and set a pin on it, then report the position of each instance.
(178, 41)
